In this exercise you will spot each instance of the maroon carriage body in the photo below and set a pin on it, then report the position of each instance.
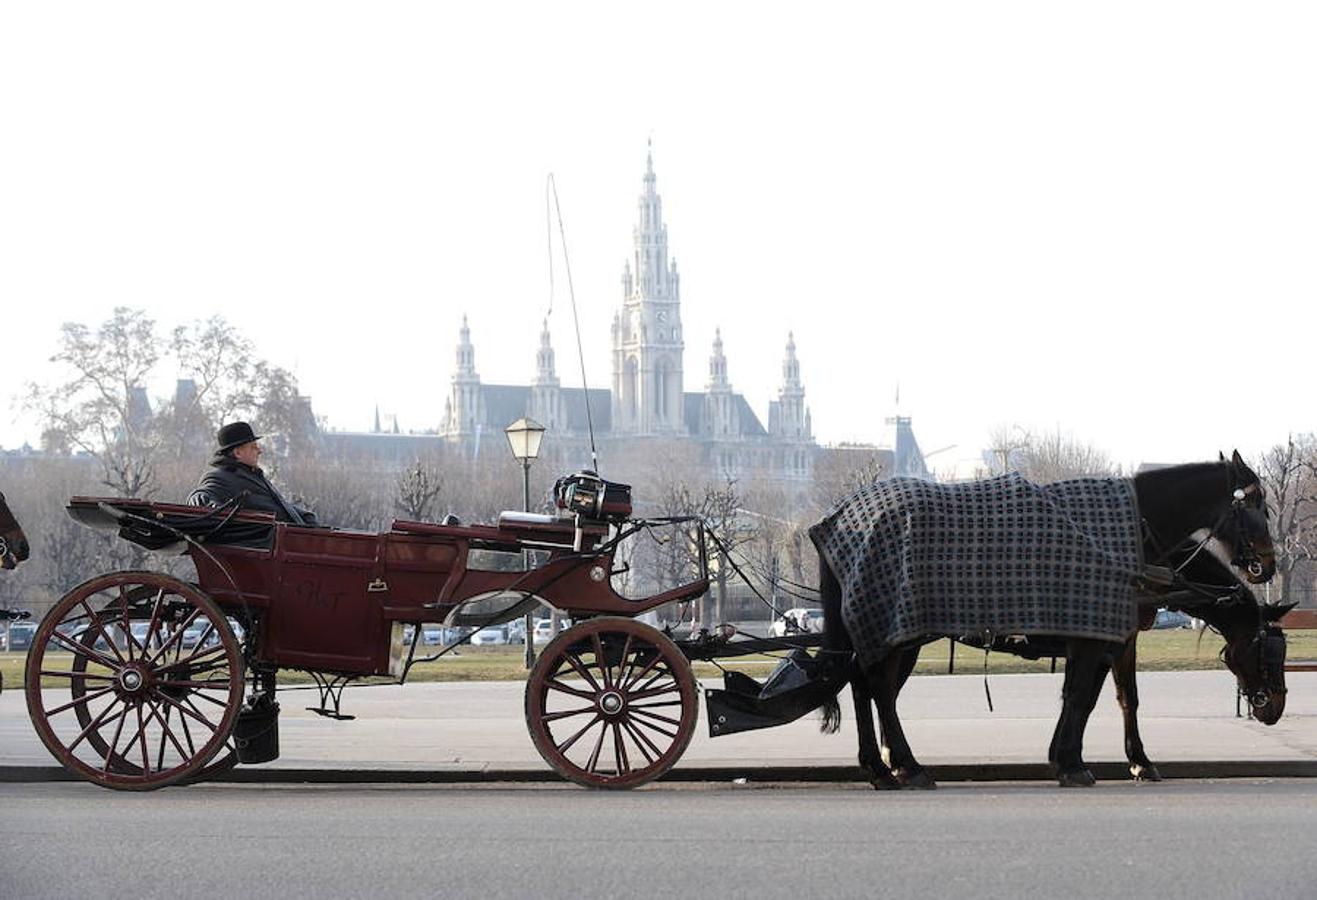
(331, 600)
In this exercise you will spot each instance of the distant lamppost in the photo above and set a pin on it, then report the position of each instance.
(524, 436)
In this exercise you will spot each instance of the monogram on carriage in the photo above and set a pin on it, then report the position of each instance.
(138, 680)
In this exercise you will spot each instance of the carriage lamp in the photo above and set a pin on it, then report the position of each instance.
(524, 436)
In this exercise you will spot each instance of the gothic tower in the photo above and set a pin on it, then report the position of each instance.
(464, 411)
(788, 419)
(719, 403)
(647, 341)
(546, 402)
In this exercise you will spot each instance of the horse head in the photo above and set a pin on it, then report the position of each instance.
(1255, 653)
(1245, 528)
(13, 543)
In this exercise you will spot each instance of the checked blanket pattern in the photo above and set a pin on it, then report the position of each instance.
(1002, 556)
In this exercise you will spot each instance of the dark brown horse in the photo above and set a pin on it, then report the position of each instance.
(1225, 500)
(13, 543)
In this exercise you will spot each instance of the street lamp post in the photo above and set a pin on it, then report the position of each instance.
(524, 436)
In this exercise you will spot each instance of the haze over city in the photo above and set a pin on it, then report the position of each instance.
(1097, 219)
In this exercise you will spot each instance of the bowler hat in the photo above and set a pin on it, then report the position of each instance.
(235, 434)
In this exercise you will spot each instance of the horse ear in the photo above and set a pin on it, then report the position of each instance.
(1220, 456)
(1237, 459)
(1276, 612)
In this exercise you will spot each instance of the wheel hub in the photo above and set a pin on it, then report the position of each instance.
(611, 703)
(132, 680)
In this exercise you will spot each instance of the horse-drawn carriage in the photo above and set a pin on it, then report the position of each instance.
(136, 680)
(151, 669)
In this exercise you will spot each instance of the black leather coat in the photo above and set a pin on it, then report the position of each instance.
(229, 478)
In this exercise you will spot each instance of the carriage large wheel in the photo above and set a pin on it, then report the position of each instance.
(611, 703)
(143, 679)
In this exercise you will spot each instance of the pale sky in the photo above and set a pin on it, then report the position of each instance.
(1096, 217)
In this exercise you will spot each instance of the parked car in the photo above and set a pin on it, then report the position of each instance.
(544, 630)
(798, 621)
(485, 637)
(1169, 618)
(21, 634)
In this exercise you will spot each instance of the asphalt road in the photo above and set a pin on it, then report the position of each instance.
(1192, 839)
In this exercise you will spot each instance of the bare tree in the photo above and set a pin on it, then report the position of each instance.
(1055, 456)
(101, 407)
(418, 489)
(841, 471)
(1289, 475)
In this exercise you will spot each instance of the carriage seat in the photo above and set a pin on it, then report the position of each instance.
(512, 520)
(553, 529)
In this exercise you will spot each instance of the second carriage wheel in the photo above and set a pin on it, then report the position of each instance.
(134, 680)
(611, 703)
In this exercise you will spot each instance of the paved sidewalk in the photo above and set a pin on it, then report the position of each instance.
(476, 732)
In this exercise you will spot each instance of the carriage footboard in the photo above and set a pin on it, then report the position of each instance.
(800, 684)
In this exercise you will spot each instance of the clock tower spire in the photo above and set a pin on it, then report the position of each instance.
(648, 388)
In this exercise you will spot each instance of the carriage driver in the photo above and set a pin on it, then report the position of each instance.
(234, 473)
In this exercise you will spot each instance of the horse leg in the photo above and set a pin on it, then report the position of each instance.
(1127, 694)
(1086, 667)
(871, 757)
(890, 676)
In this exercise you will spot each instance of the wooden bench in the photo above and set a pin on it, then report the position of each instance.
(1303, 619)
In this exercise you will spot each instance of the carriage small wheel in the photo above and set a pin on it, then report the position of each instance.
(134, 680)
(611, 703)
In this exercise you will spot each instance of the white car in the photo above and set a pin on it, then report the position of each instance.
(494, 634)
(798, 621)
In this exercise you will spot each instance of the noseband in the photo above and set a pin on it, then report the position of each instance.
(1269, 645)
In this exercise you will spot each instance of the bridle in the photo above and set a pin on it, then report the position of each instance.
(1269, 645)
(1243, 555)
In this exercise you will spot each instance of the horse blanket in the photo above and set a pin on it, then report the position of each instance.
(1002, 556)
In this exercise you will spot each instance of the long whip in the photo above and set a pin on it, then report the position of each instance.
(551, 193)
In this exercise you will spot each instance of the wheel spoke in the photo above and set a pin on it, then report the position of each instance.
(600, 661)
(175, 639)
(623, 666)
(579, 666)
(96, 620)
(141, 731)
(187, 734)
(210, 685)
(658, 657)
(643, 744)
(592, 765)
(109, 753)
(645, 723)
(95, 724)
(566, 689)
(216, 651)
(619, 751)
(80, 650)
(654, 692)
(558, 716)
(85, 698)
(564, 747)
(168, 733)
(185, 711)
(80, 675)
(655, 717)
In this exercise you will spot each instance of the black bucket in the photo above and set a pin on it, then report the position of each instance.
(256, 733)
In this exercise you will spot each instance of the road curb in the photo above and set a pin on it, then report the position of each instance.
(1106, 771)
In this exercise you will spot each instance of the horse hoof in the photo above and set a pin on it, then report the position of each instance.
(1145, 773)
(918, 780)
(1077, 778)
(885, 784)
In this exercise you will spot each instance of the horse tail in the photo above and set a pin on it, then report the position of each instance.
(830, 720)
(836, 642)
